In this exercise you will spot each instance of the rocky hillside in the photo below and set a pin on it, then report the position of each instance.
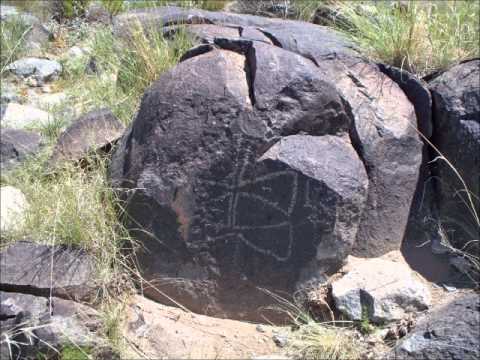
(185, 183)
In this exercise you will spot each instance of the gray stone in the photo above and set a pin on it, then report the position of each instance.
(18, 116)
(93, 131)
(9, 93)
(379, 290)
(42, 70)
(40, 324)
(456, 115)
(27, 267)
(13, 209)
(16, 146)
(449, 332)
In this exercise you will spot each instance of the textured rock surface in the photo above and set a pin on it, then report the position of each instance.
(13, 208)
(227, 172)
(27, 267)
(54, 322)
(379, 289)
(93, 131)
(456, 115)
(16, 145)
(42, 70)
(166, 332)
(450, 332)
(18, 116)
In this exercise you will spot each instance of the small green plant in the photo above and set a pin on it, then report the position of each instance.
(114, 7)
(72, 352)
(364, 325)
(68, 9)
(418, 36)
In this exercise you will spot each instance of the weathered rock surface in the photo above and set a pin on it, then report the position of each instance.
(160, 331)
(18, 116)
(259, 170)
(13, 206)
(379, 290)
(450, 332)
(456, 117)
(42, 70)
(16, 145)
(36, 325)
(93, 131)
(45, 270)
(228, 206)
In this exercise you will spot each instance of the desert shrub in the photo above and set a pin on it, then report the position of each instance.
(419, 36)
(68, 9)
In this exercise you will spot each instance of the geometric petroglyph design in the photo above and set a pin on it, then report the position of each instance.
(257, 210)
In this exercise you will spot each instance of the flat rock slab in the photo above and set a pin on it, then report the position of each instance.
(42, 70)
(379, 290)
(449, 332)
(53, 323)
(157, 331)
(14, 206)
(89, 133)
(16, 145)
(44, 270)
(18, 116)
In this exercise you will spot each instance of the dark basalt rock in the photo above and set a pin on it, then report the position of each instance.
(36, 325)
(451, 332)
(27, 267)
(16, 145)
(94, 131)
(456, 119)
(230, 147)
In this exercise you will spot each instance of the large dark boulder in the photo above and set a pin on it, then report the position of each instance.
(450, 332)
(252, 164)
(16, 145)
(47, 271)
(456, 119)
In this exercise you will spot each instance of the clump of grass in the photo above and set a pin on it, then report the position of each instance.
(12, 41)
(73, 207)
(332, 340)
(418, 36)
(211, 5)
(126, 67)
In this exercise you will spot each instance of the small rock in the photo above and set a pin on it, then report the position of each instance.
(261, 328)
(96, 13)
(385, 290)
(449, 288)
(281, 340)
(48, 101)
(42, 70)
(16, 145)
(13, 206)
(26, 265)
(18, 116)
(7, 11)
(91, 132)
(76, 51)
